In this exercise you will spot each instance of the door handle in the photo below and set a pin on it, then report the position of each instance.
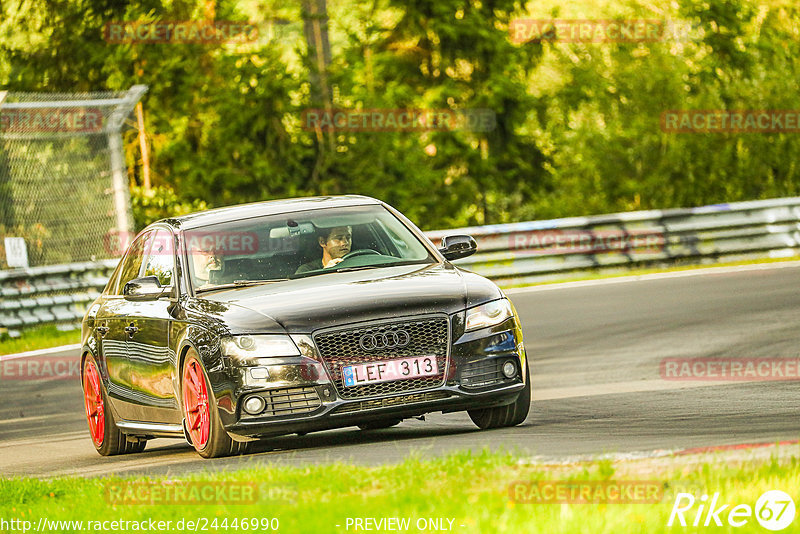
(131, 330)
(102, 330)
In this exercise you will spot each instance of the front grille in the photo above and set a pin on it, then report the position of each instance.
(340, 348)
(289, 401)
(483, 373)
(391, 401)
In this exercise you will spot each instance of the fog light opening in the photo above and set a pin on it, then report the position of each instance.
(254, 405)
(259, 373)
(509, 369)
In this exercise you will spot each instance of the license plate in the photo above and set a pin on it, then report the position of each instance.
(370, 373)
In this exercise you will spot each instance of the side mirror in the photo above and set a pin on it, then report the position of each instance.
(458, 246)
(145, 288)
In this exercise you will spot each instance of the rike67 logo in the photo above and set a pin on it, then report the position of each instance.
(774, 510)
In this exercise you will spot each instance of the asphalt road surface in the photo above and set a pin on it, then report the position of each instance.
(595, 349)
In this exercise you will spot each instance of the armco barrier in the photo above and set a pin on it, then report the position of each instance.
(54, 294)
(522, 253)
(510, 254)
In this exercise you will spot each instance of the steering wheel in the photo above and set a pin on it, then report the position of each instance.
(360, 252)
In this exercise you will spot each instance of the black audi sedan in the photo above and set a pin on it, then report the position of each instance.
(238, 324)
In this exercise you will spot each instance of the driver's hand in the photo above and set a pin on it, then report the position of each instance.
(333, 262)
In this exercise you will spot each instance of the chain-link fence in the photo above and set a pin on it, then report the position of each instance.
(63, 183)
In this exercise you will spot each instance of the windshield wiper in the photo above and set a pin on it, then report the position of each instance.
(348, 269)
(257, 282)
(318, 272)
(240, 283)
(374, 266)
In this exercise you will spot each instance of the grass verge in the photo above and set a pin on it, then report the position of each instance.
(464, 492)
(42, 337)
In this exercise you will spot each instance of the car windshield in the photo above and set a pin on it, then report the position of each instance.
(275, 248)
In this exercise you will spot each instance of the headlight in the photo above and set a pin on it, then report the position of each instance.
(261, 346)
(488, 314)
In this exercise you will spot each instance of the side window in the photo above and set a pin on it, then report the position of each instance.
(160, 260)
(133, 261)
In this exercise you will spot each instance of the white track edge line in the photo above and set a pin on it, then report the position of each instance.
(654, 276)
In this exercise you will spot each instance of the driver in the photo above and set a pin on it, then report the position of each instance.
(335, 243)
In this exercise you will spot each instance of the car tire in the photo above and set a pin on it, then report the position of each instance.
(202, 422)
(504, 416)
(106, 436)
(378, 425)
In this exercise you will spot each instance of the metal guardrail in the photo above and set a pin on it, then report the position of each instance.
(510, 254)
(53, 294)
(522, 253)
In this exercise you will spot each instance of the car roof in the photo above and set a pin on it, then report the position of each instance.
(270, 207)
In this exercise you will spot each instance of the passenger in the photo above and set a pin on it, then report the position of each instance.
(204, 261)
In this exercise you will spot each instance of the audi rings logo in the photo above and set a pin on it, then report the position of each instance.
(385, 340)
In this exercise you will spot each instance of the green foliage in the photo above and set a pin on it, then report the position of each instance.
(159, 203)
(578, 125)
(600, 118)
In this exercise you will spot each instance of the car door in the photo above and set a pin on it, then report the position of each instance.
(148, 324)
(111, 324)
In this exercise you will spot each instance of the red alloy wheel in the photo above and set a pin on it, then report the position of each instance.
(93, 396)
(195, 401)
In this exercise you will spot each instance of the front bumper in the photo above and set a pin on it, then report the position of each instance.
(303, 398)
(328, 416)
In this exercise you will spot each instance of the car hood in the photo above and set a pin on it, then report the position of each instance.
(306, 304)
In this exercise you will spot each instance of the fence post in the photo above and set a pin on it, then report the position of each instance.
(119, 180)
